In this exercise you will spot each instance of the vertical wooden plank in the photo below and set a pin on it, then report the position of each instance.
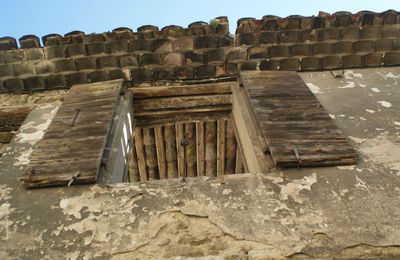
(140, 154)
(180, 149)
(170, 151)
(230, 152)
(162, 169)
(221, 123)
(211, 145)
(190, 149)
(133, 164)
(239, 161)
(150, 151)
(200, 142)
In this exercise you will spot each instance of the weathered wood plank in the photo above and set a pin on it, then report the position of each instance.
(75, 140)
(296, 127)
(184, 90)
(221, 130)
(190, 150)
(211, 148)
(170, 151)
(162, 167)
(200, 143)
(180, 150)
(140, 154)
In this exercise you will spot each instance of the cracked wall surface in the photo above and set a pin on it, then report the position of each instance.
(347, 212)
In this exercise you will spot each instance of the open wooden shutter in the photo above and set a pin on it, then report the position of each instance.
(73, 145)
(297, 129)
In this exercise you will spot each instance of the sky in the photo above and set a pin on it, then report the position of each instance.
(41, 17)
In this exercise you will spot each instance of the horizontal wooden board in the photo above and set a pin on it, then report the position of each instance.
(74, 141)
(296, 127)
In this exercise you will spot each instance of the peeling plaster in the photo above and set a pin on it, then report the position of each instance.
(294, 187)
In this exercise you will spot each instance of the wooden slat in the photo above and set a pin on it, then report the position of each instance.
(297, 129)
(140, 154)
(150, 151)
(170, 151)
(185, 90)
(190, 150)
(162, 167)
(181, 102)
(180, 150)
(200, 143)
(230, 154)
(133, 164)
(221, 124)
(211, 146)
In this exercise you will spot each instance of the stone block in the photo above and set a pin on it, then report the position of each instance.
(268, 65)
(331, 62)
(162, 45)
(14, 85)
(350, 33)
(207, 41)
(129, 60)
(289, 36)
(396, 45)
(119, 46)
(173, 59)
(115, 74)
(196, 57)
(257, 52)
(363, 46)
(384, 45)
(292, 64)
(51, 39)
(300, 50)
(310, 63)
(343, 20)
(98, 76)
(86, 63)
(149, 59)
(371, 32)
(77, 78)
(43, 67)
(64, 65)
(248, 65)
(343, 47)
(237, 53)
(215, 55)
(96, 48)
(269, 37)
(391, 59)
(75, 50)
(55, 81)
(33, 54)
(140, 75)
(330, 34)
(22, 68)
(391, 31)
(8, 43)
(55, 52)
(205, 71)
(141, 45)
(352, 61)
(29, 41)
(310, 35)
(107, 62)
(278, 51)
(34, 83)
(372, 60)
(318, 22)
(232, 68)
(6, 70)
(225, 41)
(321, 48)
(246, 39)
(183, 44)
(183, 72)
(12, 56)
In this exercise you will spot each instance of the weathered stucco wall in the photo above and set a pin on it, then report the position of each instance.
(350, 212)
